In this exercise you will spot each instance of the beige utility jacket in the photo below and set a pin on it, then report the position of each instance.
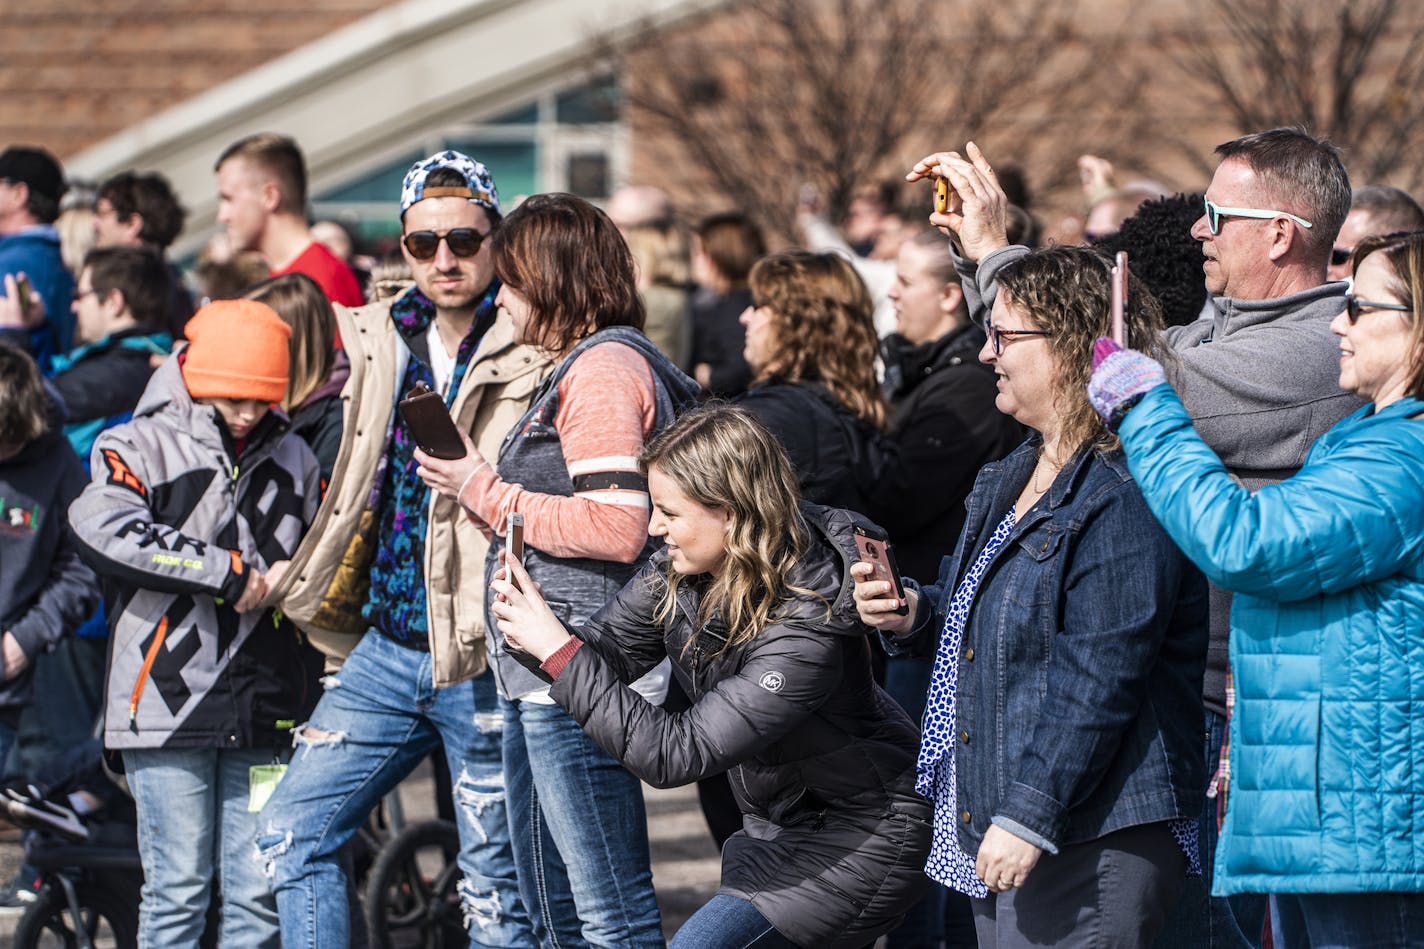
(326, 586)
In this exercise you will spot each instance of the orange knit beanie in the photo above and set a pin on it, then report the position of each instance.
(237, 349)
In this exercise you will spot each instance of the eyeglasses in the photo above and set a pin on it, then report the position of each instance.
(462, 241)
(1340, 256)
(998, 337)
(1354, 307)
(1215, 212)
(81, 294)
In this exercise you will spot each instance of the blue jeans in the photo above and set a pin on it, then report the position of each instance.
(193, 821)
(728, 922)
(1203, 921)
(580, 834)
(380, 716)
(1350, 920)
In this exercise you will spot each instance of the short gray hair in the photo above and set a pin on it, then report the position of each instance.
(1294, 165)
(1389, 208)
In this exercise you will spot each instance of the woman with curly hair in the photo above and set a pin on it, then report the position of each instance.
(751, 599)
(812, 346)
(1062, 732)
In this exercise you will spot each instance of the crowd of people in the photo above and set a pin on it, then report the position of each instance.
(978, 616)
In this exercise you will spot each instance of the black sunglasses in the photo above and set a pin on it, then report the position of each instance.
(1354, 307)
(462, 241)
(1340, 256)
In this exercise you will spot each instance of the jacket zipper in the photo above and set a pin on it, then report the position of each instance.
(159, 635)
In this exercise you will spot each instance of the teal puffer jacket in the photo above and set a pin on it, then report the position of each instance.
(1327, 644)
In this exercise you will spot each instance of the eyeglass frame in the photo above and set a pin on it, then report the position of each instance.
(444, 236)
(1354, 307)
(1215, 212)
(996, 335)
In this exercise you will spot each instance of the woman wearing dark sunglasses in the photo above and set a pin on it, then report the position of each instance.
(1327, 625)
(569, 466)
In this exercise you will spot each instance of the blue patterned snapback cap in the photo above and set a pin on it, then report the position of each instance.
(480, 185)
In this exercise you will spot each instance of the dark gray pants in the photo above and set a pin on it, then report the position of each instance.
(1110, 893)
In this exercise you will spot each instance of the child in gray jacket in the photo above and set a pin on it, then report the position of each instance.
(195, 505)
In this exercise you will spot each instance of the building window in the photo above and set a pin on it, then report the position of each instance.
(563, 139)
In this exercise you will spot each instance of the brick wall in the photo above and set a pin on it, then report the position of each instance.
(73, 72)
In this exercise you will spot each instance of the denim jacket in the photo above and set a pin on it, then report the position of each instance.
(1080, 673)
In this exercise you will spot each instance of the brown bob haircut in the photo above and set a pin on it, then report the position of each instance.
(567, 259)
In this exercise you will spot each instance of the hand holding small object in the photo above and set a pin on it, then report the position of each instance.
(876, 603)
(521, 612)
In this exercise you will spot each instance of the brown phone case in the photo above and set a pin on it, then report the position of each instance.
(875, 550)
(429, 421)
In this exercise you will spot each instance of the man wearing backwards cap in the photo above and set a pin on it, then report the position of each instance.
(390, 586)
(31, 184)
(195, 506)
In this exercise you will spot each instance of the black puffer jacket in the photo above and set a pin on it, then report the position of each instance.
(836, 455)
(821, 760)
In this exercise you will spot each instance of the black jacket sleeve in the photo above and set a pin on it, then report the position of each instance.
(790, 672)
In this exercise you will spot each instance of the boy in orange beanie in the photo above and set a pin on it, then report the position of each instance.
(194, 505)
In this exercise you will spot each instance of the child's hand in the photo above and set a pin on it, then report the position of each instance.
(253, 593)
(275, 573)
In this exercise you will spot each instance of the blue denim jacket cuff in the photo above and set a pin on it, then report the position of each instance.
(910, 643)
(1033, 810)
(1022, 832)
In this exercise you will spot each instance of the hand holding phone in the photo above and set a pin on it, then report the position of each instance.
(430, 423)
(514, 541)
(941, 195)
(874, 548)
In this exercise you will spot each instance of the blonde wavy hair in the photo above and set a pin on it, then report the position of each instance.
(723, 458)
(822, 327)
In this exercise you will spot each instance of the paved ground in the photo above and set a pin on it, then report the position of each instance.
(685, 864)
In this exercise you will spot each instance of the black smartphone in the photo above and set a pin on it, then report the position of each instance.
(874, 548)
(22, 292)
(430, 423)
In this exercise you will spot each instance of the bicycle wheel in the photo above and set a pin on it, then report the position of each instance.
(111, 922)
(412, 897)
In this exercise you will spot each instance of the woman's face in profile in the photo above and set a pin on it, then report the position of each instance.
(1375, 350)
(1025, 365)
(520, 313)
(761, 336)
(694, 535)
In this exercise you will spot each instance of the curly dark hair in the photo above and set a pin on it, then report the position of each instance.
(1163, 254)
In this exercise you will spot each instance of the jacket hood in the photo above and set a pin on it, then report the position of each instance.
(825, 569)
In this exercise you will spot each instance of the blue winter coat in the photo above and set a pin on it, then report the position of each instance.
(1327, 644)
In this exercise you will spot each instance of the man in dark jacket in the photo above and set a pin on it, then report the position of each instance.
(31, 184)
(119, 309)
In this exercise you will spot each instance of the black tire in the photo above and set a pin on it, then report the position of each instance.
(47, 923)
(407, 906)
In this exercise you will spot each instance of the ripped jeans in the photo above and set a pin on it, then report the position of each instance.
(381, 715)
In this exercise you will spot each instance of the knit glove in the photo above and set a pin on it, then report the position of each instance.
(1120, 378)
